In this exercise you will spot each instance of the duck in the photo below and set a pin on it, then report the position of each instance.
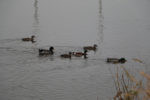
(66, 55)
(94, 47)
(80, 54)
(29, 39)
(116, 60)
(46, 52)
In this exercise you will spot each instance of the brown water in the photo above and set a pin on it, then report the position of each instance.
(119, 27)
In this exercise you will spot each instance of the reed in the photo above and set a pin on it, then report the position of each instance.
(130, 88)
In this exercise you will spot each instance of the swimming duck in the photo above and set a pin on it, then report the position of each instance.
(116, 60)
(80, 54)
(29, 39)
(46, 52)
(94, 47)
(66, 55)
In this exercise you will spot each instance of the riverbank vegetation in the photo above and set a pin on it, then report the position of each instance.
(130, 88)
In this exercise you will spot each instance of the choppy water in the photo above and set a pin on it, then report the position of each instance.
(119, 27)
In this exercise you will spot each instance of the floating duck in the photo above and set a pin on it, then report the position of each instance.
(94, 47)
(29, 39)
(46, 52)
(66, 55)
(116, 60)
(80, 54)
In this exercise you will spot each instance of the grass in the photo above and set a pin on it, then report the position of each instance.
(130, 88)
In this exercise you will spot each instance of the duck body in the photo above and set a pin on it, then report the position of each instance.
(80, 54)
(43, 52)
(29, 39)
(94, 47)
(116, 60)
(66, 55)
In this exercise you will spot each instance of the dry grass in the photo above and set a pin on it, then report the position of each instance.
(129, 88)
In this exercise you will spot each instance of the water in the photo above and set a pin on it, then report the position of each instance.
(119, 27)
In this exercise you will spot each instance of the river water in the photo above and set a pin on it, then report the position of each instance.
(120, 28)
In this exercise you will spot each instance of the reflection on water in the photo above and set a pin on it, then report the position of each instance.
(36, 19)
(100, 28)
(101, 24)
(36, 28)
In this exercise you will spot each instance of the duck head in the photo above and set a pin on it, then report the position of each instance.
(51, 49)
(95, 45)
(122, 60)
(85, 51)
(70, 53)
(32, 36)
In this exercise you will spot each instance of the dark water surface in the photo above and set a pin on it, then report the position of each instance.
(121, 28)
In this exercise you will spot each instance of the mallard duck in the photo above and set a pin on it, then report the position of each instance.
(94, 47)
(116, 60)
(29, 39)
(66, 55)
(80, 54)
(46, 52)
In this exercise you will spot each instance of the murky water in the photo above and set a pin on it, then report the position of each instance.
(119, 27)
